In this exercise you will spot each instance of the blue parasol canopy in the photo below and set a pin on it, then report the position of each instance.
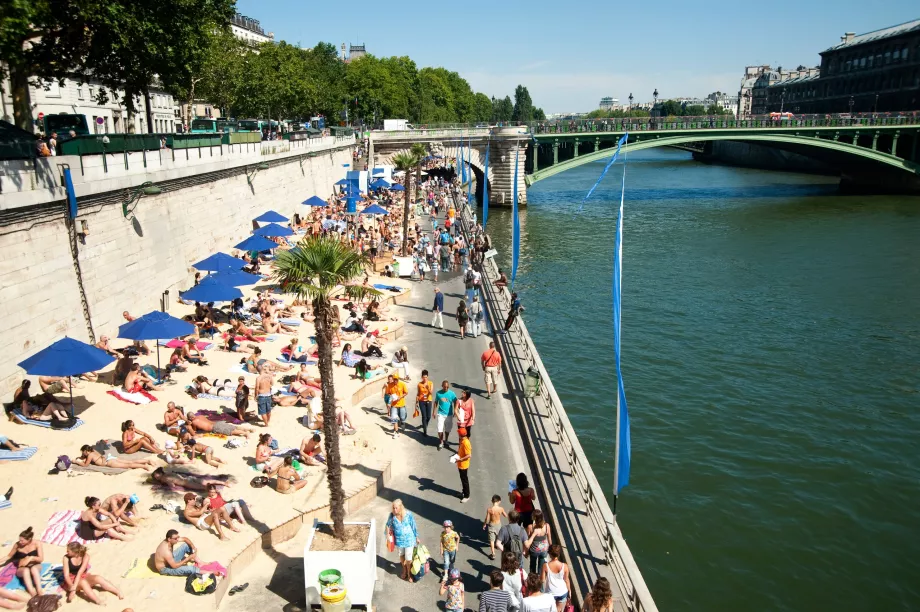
(66, 357)
(256, 243)
(274, 230)
(374, 209)
(381, 184)
(154, 326)
(209, 290)
(397, 187)
(341, 182)
(315, 201)
(271, 217)
(219, 261)
(235, 278)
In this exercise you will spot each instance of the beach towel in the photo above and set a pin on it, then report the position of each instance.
(111, 471)
(215, 416)
(5, 503)
(240, 368)
(392, 288)
(141, 397)
(52, 576)
(208, 396)
(291, 322)
(201, 345)
(142, 569)
(17, 414)
(18, 455)
(62, 529)
(283, 358)
(226, 335)
(212, 567)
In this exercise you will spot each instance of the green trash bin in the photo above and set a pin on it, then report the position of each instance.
(532, 381)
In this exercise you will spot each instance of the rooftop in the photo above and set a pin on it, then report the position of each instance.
(850, 40)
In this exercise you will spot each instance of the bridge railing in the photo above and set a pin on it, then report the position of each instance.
(640, 124)
(448, 132)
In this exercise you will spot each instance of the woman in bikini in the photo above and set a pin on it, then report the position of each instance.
(77, 576)
(26, 554)
(39, 408)
(201, 386)
(288, 480)
(238, 329)
(274, 327)
(255, 360)
(199, 516)
(133, 440)
(96, 522)
(264, 460)
(89, 456)
(295, 354)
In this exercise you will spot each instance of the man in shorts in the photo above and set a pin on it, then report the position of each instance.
(264, 395)
(445, 400)
(491, 363)
(394, 395)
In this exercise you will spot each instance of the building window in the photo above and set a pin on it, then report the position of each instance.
(887, 57)
(53, 89)
(862, 63)
(896, 55)
(871, 60)
(79, 92)
(92, 93)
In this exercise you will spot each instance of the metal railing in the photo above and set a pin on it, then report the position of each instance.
(519, 353)
(453, 132)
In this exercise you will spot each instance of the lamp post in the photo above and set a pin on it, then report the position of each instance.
(782, 101)
(852, 102)
(655, 98)
(629, 111)
(875, 108)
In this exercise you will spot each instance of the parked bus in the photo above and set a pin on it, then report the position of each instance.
(251, 125)
(203, 126)
(63, 123)
(227, 125)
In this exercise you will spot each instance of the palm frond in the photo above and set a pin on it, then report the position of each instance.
(419, 150)
(317, 265)
(359, 292)
(405, 161)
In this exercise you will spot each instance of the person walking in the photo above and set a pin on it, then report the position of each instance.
(475, 310)
(463, 317)
(523, 498)
(491, 363)
(513, 580)
(600, 599)
(394, 395)
(437, 308)
(464, 454)
(496, 599)
(538, 543)
(555, 575)
(423, 399)
(401, 526)
(446, 401)
(466, 412)
(450, 542)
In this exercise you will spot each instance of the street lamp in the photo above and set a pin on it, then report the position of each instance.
(875, 108)
(852, 102)
(782, 101)
(655, 96)
(630, 104)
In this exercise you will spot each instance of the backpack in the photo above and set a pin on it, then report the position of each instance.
(516, 545)
(259, 481)
(62, 464)
(198, 584)
(44, 603)
(63, 423)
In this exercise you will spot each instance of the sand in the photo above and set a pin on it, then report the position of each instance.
(38, 494)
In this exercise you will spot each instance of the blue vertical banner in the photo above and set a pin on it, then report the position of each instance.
(485, 190)
(460, 161)
(516, 225)
(623, 444)
(71, 194)
(351, 204)
(469, 184)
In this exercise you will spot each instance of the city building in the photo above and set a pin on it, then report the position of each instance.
(249, 30)
(608, 103)
(723, 100)
(354, 51)
(745, 94)
(877, 71)
(72, 97)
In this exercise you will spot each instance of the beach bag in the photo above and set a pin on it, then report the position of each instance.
(63, 423)
(420, 565)
(198, 584)
(258, 482)
(62, 464)
(44, 603)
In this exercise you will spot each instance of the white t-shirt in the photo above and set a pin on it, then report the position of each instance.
(544, 602)
(513, 584)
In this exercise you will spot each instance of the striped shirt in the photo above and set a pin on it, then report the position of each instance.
(495, 601)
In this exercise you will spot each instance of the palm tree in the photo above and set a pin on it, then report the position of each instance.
(419, 150)
(406, 162)
(312, 271)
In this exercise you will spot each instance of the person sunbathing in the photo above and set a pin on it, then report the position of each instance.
(307, 315)
(303, 393)
(342, 419)
(138, 380)
(176, 454)
(201, 517)
(304, 376)
(186, 480)
(294, 352)
(55, 384)
(7, 444)
(133, 440)
(90, 456)
(255, 361)
(191, 353)
(238, 329)
(370, 346)
(201, 386)
(95, 522)
(173, 419)
(365, 371)
(26, 556)
(13, 600)
(195, 448)
(78, 577)
(231, 345)
(122, 367)
(273, 327)
(201, 423)
(265, 462)
(232, 511)
(39, 408)
(105, 345)
(288, 480)
(120, 507)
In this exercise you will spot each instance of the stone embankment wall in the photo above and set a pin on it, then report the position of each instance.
(127, 265)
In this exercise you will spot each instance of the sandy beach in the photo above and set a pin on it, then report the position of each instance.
(39, 494)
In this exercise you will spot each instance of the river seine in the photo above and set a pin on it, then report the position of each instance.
(771, 355)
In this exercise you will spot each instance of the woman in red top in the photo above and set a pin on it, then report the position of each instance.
(523, 498)
(466, 413)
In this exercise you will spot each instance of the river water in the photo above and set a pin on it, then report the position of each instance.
(771, 355)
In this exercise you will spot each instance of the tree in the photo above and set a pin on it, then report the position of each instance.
(435, 96)
(671, 108)
(502, 110)
(483, 108)
(523, 105)
(406, 162)
(220, 75)
(539, 115)
(313, 271)
(418, 151)
(694, 110)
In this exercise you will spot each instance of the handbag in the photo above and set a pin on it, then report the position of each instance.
(391, 538)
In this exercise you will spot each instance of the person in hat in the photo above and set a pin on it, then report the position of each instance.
(453, 589)
(450, 542)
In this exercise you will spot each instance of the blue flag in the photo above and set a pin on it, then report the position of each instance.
(469, 185)
(623, 444)
(485, 190)
(612, 161)
(462, 161)
(516, 227)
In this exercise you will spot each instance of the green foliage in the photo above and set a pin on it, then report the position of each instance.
(523, 105)
(502, 109)
(616, 114)
(539, 115)
(317, 266)
(483, 108)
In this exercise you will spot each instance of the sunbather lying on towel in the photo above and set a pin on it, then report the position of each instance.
(294, 350)
(7, 444)
(201, 386)
(255, 361)
(90, 456)
(195, 448)
(238, 329)
(187, 480)
(39, 408)
(137, 380)
(198, 423)
(230, 344)
(273, 327)
(191, 353)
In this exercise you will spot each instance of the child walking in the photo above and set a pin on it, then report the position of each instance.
(453, 587)
(493, 522)
(450, 541)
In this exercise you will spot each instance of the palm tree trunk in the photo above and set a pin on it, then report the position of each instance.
(405, 236)
(324, 333)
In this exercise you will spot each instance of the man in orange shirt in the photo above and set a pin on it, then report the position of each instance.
(423, 399)
(492, 366)
(394, 395)
(464, 453)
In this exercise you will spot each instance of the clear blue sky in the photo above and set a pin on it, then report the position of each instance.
(569, 54)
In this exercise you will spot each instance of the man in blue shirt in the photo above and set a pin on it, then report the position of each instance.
(437, 309)
(445, 400)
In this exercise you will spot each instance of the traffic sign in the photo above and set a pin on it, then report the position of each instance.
(41, 116)
(100, 120)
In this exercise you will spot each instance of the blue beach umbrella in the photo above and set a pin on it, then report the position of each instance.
(397, 187)
(381, 184)
(211, 291)
(274, 230)
(271, 217)
(316, 201)
(66, 357)
(235, 278)
(256, 243)
(374, 209)
(378, 171)
(341, 182)
(154, 326)
(219, 261)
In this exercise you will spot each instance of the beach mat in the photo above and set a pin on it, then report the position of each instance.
(393, 288)
(17, 414)
(52, 576)
(142, 569)
(201, 345)
(284, 359)
(140, 398)
(291, 322)
(5, 503)
(62, 529)
(18, 455)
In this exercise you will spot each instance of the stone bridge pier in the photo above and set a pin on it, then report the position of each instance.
(505, 145)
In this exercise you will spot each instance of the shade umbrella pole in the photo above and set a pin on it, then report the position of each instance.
(158, 359)
(70, 380)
